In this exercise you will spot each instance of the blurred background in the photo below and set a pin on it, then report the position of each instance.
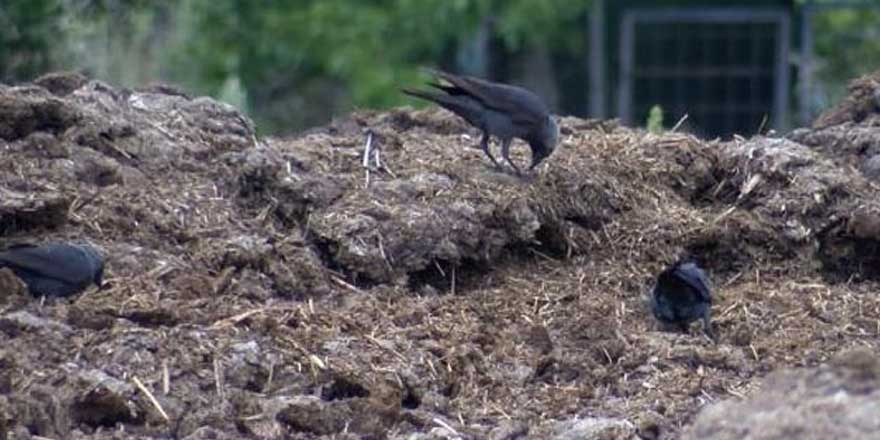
(731, 66)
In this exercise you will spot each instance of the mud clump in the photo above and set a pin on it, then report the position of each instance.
(863, 101)
(836, 400)
(28, 109)
(61, 83)
(275, 288)
(847, 133)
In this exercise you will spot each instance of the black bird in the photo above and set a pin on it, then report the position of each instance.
(55, 269)
(501, 110)
(682, 296)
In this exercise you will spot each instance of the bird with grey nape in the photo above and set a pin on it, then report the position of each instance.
(499, 110)
(55, 269)
(681, 296)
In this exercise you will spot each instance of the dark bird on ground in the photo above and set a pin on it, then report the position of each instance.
(501, 110)
(682, 296)
(55, 269)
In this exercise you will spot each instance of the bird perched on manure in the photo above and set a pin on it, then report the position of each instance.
(681, 296)
(55, 269)
(502, 110)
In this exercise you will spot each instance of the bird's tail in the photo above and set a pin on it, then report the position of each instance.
(433, 97)
(450, 102)
(450, 78)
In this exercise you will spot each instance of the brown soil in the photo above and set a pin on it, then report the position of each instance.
(259, 288)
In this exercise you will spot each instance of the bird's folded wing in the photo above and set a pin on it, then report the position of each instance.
(462, 105)
(523, 108)
(696, 278)
(47, 262)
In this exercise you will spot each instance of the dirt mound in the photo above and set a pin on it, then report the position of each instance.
(839, 400)
(268, 288)
(850, 132)
(862, 102)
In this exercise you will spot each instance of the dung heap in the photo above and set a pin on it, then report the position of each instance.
(268, 288)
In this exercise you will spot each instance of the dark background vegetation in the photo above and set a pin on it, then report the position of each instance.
(296, 64)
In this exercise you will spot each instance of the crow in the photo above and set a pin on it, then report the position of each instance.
(55, 269)
(681, 296)
(501, 110)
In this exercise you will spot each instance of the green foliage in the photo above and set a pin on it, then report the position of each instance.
(28, 31)
(322, 56)
(370, 48)
(847, 45)
(295, 63)
(655, 119)
(370, 45)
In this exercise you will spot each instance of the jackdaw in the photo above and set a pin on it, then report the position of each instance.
(497, 109)
(55, 269)
(682, 296)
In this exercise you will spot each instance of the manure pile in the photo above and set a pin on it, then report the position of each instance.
(266, 288)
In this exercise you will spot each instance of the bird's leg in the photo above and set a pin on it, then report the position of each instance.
(484, 145)
(707, 327)
(505, 153)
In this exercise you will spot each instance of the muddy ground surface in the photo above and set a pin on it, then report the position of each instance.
(263, 288)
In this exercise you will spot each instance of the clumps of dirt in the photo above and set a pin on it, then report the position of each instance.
(22, 209)
(838, 400)
(436, 205)
(793, 196)
(12, 289)
(849, 136)
(361, 416)
(369, 234)
(276, 288)
(102, 406)
(61, 83)
(847, 133)
(863, 101)
(28, 109)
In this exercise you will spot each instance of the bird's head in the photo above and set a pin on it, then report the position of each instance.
(97, 262)
(99, 277)
(545, 141)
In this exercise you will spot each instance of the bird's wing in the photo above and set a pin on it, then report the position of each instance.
(48, 261)
(523, 106)
(462, 105)
(695, 277)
